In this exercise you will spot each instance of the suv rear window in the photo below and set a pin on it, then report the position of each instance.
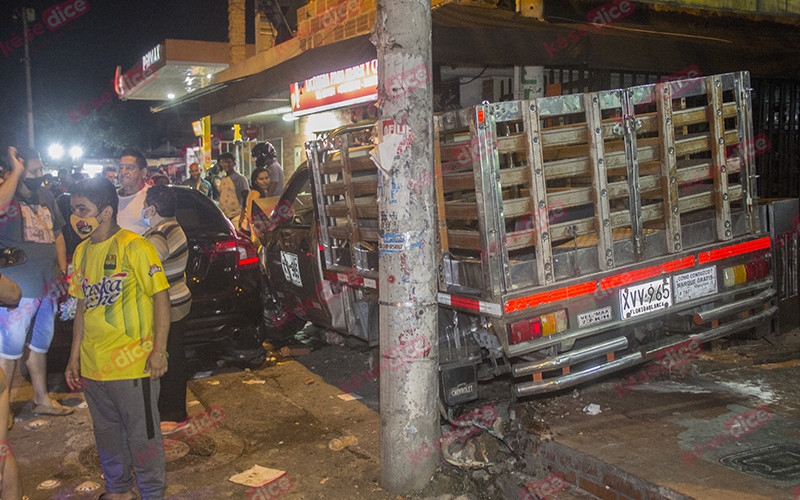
(197, 214)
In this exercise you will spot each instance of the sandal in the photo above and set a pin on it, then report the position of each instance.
(55, 409)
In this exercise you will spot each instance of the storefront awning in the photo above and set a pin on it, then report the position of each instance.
(645, 41)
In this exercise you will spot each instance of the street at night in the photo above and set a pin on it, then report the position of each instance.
(400, 249)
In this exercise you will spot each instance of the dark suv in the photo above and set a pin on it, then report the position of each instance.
(223, 274)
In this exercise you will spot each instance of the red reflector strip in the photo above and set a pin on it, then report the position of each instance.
(648, 272)
(480, 116)
(251, 260)
(733, 250)
(471, 304)
(551, 296)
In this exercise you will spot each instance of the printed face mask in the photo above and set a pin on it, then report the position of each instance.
(83, 227)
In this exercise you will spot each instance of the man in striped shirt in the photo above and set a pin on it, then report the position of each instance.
(170, 241)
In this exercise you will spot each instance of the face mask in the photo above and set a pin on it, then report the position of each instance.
(83, 227)
(145, 218)
(33, 183)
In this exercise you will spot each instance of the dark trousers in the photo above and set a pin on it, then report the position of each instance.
(172, 400)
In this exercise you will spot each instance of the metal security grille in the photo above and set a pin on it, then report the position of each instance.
(776, 113)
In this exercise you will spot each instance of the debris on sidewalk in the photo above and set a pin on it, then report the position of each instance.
(35, 425)
(592, 409)
(256, 476)
(48, 484)
(350, 396)
(254, 381)
(338, 444)
(87, 487)
(287, 351)
(308, 381)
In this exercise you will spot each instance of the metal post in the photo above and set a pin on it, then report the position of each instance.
(408, 270)
(28, 14)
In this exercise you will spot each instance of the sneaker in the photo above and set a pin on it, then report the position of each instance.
(168, 427)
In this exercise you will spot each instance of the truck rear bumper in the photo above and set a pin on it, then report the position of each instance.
(574, 378)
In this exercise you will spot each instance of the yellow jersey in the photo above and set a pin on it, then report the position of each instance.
(116, 279)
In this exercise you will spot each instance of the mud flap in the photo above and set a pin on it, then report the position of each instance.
(458, 384)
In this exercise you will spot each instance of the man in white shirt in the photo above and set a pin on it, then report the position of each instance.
(233, 188)
(132, 174)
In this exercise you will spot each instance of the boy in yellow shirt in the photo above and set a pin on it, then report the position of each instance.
(119, 341)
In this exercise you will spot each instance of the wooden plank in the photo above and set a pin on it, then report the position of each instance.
(359, 186)
(575, 134)
(367, 209)
(514, 143)
(669, 168)
(717, 127)
(538, 193)
(649, 150)
(358, 162)
(440, 210)
(605, 244)
(464, 240)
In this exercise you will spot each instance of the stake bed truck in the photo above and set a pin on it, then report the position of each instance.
(578, 235)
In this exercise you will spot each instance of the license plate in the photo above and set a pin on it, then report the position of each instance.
(645, 298)
(291, 268)
(596, 316)
(695, 284)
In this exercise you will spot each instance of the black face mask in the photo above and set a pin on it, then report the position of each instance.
(33, 183)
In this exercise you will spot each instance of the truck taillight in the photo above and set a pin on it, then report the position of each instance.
(742, 273)
(541, 326)
(523, 331)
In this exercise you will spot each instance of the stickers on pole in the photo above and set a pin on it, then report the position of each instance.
(391, 243)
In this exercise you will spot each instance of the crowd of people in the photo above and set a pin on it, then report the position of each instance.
(128, 277)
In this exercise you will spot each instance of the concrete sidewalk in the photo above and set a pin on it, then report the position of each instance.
(728, 428)
(281, 417)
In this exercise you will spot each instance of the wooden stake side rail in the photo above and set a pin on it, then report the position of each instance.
(501, 173)
(718, 133)
(456, 152)
(669, 168)
(655, 212)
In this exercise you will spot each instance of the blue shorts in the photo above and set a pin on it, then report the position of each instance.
(32, 315)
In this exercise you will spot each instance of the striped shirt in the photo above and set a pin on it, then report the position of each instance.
(170, 242)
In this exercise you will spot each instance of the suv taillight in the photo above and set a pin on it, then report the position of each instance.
(245, 250)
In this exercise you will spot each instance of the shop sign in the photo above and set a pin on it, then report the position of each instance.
(153, 56)
(336, 89)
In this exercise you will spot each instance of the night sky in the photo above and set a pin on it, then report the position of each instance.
(75, 63)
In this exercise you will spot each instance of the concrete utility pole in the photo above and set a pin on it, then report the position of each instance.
(28, 15)
(408, 264)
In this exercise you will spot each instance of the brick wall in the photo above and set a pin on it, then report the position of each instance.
(322, 22)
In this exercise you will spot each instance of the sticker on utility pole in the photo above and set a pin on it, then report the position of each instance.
(291, 268)
(391, 243)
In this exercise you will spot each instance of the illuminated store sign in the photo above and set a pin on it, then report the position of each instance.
(336, 89)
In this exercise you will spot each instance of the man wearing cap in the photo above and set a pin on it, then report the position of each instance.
(264, 155)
